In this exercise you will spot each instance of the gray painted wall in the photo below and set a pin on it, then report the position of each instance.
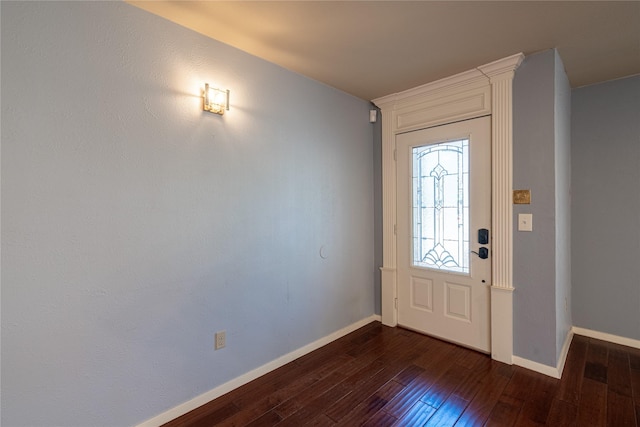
(542, 164)
(562, 129)
(534, 258)
(606, 207)
(134, 225)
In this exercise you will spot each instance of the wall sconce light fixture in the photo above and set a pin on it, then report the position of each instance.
(215, 100)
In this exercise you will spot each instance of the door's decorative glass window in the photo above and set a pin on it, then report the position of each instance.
(440, 208)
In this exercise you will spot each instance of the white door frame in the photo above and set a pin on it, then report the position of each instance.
(484, 90)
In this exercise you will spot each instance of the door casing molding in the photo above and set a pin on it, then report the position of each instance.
(478, 92)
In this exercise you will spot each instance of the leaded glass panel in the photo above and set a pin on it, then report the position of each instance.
(440, 207)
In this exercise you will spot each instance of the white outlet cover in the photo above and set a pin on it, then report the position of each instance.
(525, 222)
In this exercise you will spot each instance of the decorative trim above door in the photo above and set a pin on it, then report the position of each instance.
(479, 92)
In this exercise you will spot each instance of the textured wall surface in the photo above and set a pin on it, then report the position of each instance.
(606, 207)
(134, 225)
(562, 158)
(534, 303)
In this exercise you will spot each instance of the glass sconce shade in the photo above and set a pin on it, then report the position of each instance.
(215, 100)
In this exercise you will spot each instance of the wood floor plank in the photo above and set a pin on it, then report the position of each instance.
(563, 414)
(473, 382)
(290, 373)
(598, 351)
(448, 413)
(205, 416)
(483, 402)
(411, 394)
(596, 372)
(441, 354)
(417, 415)
(538, 402)
(266, 420)
(592, 410)
(341, 408)
(634, 358)
(379, 376)
(505, 412)
(573, 373)
(316, 406)
(321, 403)
(620, 410)
(295, 403)
(321, 421)
(408, 374)
(596, 361)
(445, 386)
(619, 375)
(469, 359)
(635, 385)
(371, 405)
(267, 403)
(381, 419)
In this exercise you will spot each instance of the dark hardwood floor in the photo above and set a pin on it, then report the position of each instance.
(380, 376)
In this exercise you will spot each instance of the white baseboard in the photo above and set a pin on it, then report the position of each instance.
(629, 342)
(208, 396)
(557, 371)
(564, 352)
(551, 371)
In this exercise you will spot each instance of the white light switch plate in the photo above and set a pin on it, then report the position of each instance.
(525, 222)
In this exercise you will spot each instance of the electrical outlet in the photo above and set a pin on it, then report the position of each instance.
(221, 339)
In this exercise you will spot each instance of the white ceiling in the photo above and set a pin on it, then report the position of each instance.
(375, 48)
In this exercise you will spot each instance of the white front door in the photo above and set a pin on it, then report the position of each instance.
(443, 231)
